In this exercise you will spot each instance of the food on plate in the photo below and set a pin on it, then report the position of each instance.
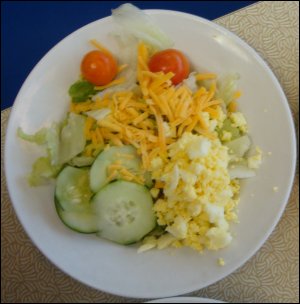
(151, 148)
(98, 67)
(170, 60)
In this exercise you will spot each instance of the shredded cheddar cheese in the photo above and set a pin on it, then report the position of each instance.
(205, 76)
(138, 118)
(237, 94)
(112, 83)
(122, 67)
(232, 106)
(100, 47)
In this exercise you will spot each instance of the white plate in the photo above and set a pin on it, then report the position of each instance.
(155, 274)
(185, 300)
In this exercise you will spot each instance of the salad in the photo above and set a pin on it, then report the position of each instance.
(151, 149)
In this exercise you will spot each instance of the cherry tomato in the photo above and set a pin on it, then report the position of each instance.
(170, 60)
(99, 68)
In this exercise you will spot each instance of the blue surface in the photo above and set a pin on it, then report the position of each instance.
(29, 29)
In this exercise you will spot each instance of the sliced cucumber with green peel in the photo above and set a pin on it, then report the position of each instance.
(99, 175)
(124, 212)
(73, 189)
(83, 221)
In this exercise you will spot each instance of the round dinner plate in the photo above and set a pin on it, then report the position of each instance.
(117, 269)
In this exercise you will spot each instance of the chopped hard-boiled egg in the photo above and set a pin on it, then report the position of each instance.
(154, 192)
(254, 161)
(199, 147)
(212, 125)
(226, 136)
(178, 228)
(198, 201)
(217, 238)
(239, 121)
(221, 116)
(156, 163)
(168, 131)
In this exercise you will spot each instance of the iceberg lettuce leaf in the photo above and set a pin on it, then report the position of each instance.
(131, 20)
(39, 138)
(72, 138)
(81, 161)
(42, 171)
(227, 86)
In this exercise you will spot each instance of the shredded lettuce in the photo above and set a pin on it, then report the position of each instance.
(72, 138)
(206, 83)
(49, 137)
(42, 171)
(238, 147)
(227, 86)
(62, 142)
(81, 161)
(53, 143)
(39, 138)
(191, 82)
(127, 46)
(133, 21)
(98, 114)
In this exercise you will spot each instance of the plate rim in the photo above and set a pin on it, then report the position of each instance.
(186, 298)
(284, 202)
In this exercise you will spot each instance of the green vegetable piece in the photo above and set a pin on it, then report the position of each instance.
(81, 90)
(226, 86)
(53, 142)
(135, 22)
(81, 161)
(42, 171)
(227, 126)
(72, 138)
(39, 137)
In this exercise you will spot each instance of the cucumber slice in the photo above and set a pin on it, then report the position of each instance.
(73, 189)
(98, 173)
(124, 212)
(80, 221)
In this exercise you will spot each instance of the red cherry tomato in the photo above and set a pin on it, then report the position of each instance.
(99, 68)
(170, 60)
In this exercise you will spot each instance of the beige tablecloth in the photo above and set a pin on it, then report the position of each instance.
(272, 275)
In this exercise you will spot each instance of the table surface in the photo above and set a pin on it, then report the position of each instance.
(272, 275)
(31, 28)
